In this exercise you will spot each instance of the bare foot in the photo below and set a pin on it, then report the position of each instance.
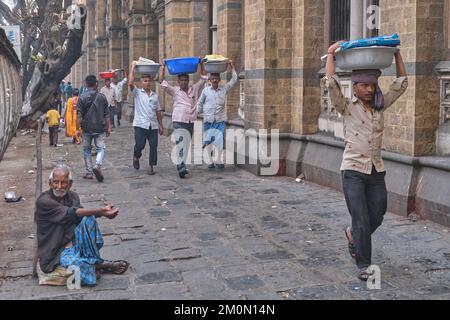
(115, 267)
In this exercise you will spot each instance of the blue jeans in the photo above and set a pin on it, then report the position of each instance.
(99, 142)
(366, 198)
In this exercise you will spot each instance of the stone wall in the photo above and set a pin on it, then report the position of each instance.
(412, 122)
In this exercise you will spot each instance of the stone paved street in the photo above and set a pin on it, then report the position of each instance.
(219, 235)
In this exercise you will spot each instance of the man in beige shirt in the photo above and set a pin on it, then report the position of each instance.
(110, 95)
(363, 172)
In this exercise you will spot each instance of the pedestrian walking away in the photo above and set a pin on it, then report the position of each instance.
(53, 117)
(93, 119)
(363, 171)
(71, 117)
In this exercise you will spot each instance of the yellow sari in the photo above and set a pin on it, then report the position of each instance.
(71, 118)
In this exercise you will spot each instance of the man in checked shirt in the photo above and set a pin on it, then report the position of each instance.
(363, 172)
(184, 113)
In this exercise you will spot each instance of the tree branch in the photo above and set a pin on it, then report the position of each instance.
(8, 15)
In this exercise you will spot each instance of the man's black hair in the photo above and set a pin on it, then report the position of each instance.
(91, 81)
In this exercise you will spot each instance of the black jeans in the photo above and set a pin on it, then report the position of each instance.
(119, 106)
(183, 140)
(141, 136)
(366, 198)
(53, 135)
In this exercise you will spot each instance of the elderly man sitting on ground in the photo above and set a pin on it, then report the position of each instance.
(68, 234)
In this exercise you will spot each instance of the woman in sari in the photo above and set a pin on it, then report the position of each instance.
(71, 117)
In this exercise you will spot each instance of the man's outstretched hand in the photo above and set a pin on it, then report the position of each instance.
(110, 212)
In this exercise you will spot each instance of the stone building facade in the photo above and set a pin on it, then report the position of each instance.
(277, 47)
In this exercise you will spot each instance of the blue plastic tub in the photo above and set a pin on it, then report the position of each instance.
(182, 65)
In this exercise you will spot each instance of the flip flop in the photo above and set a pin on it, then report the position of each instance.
(364, 275)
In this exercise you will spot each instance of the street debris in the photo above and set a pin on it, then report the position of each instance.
(413, 217)
(31, 172)
(11, 197)
(25, 132)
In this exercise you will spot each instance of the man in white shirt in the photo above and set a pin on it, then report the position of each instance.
(110, 95)
(118, 89)
(147, 121)
(212, 103)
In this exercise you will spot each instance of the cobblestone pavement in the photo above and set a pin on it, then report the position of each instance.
(219, 235)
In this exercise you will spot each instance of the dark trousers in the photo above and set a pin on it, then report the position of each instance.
(119, 111)
(53, 135)
(112, 112)
(183, 136)
(366, 198)
(141, 136)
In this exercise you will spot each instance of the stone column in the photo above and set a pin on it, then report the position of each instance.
(308, 35)
(159, 11)
(229, 36)
(356, 19)
(152, 33)
(268, 62)
(118, 37)
(78, 74)
(412, 122)
(137, 30)
(199, 28)
(101, 39)
(177, 29)
(91, 42)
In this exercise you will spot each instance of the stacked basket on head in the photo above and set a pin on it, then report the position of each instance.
(146, 67)
(215, 63)
(372, 53)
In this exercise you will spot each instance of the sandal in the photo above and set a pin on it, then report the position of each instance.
(351, 246)
(114, 269)
(364, 274)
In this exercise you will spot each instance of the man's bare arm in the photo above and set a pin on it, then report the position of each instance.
(400, 65)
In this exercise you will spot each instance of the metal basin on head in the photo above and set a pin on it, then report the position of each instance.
(365, 58)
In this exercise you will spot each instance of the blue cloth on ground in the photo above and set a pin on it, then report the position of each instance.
(85, 251)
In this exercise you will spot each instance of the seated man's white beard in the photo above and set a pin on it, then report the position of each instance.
(59, 193)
